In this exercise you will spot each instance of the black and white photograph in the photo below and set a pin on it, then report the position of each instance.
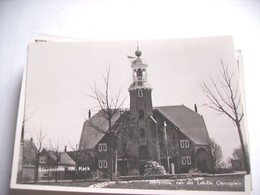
(131, 116)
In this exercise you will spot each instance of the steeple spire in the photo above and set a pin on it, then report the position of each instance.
(138, 53)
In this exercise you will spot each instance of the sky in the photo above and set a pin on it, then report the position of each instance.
(60, 77)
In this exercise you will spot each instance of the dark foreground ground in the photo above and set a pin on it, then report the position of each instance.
(205, 183)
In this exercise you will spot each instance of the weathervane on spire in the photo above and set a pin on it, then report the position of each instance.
(138, 53)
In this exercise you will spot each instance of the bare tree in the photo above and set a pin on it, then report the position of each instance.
(217, 155)
(238, 154)
(55, 150)
(123, 143)
(167, 148)
(76, 158)
(224, 97)
(40, 137)
(236, 160)
(27, 116)
(109, 105)
(83, 159)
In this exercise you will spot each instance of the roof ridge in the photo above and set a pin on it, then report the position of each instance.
(182, 105)
(169, 106)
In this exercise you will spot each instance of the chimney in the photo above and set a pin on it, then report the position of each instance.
(195, 108)
(65, 149)
(89, 113)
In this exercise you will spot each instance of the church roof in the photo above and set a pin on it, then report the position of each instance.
(189, 122)
(139, 62)
(91, 132)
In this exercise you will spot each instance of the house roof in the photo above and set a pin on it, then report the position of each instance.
(189, 122)
(65, 159)
(93, 128)
(81, 157)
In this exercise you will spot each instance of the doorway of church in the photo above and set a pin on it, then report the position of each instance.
(142, 167)
(202, 160)
(143, 158)
(202, 166)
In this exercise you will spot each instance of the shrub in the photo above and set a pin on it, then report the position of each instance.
(134, 172)
(152, 168)
(193, 170)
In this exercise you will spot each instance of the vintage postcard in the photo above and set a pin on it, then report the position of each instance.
(135, 117)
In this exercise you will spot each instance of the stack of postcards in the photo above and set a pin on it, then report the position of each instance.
(132, 117)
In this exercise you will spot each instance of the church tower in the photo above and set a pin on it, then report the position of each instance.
(140, 90)
(144, 137)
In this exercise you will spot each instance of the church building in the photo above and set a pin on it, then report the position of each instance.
(174, 136)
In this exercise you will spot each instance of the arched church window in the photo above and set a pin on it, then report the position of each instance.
(140, 93)
(139, 72)
(135, 74)
(141, 114)
(144, 72)
(142, 132)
